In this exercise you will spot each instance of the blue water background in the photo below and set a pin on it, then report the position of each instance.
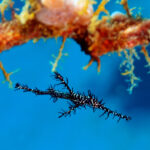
(29, 122)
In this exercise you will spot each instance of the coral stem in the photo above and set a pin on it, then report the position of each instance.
(55, 64)
(6, 75)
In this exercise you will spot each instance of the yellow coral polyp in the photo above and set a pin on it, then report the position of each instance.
(55, 64)
(94, 21)
(3, 6)
(25, 15)
(86, 6)
(101, 8)
(147, 57)
(129, 72)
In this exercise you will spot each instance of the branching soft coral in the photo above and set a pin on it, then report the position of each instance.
(76, 20)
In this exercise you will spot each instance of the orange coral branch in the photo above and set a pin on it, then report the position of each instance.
(126, 7)
(119, 33)
(6, 75)
(14, 33)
